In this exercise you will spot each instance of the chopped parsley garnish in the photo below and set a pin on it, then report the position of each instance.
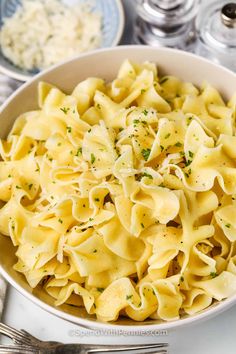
(145, 112)
(79, 152)
(95, 251)
(187, 174)
(146, 153)
(60, 221)
(100, 290)
(162, 148)
(59, 144)
(65, 109)
(128, 297)
(69, 129)
(178, 144)
(189, 119)
(90, 219)
(93, 158)
(188, 162)
(182, 278)
(142, 91)
(142, 225)
(97, 199)
(190, 154)
(167, 136)
(213, 274)
(145, 174)
(18, 187)
(30, 186)
(228, 226)
(164, 79)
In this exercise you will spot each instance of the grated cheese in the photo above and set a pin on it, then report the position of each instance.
(42, 33)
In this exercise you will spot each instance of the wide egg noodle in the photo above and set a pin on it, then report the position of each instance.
(120, 197)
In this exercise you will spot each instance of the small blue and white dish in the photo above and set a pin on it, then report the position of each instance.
(112, 29)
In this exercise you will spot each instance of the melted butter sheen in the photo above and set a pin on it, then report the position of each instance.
(121, 197)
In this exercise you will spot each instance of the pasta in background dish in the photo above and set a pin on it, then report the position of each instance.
(121, 197)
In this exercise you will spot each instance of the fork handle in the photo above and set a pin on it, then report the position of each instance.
(158, 348)
(93, 348)
(17, 349)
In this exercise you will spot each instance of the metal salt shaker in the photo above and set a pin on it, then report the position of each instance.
(216, 32)
(167, 23)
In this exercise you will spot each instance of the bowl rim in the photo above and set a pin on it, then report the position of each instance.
(88, 323)
(120, 31)
(24, 76)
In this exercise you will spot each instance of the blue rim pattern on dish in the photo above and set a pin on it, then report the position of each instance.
(111, 19)
(112, 28)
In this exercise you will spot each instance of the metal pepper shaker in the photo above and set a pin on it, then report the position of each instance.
(216, 32)
(166, 23)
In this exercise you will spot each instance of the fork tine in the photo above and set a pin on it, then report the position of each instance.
(14, 334)
(17, 349)
(30, 337)
(121, 348)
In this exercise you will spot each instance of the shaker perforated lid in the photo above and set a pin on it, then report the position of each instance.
(216, 26)
(228, 15)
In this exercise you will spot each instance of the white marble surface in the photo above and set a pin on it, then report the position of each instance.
(215, 336)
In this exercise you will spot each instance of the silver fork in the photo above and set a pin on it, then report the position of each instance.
(25, 343)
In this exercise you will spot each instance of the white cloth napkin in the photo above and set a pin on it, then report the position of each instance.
(7, 86)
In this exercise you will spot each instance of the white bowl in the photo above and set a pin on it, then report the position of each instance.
(105, 63)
